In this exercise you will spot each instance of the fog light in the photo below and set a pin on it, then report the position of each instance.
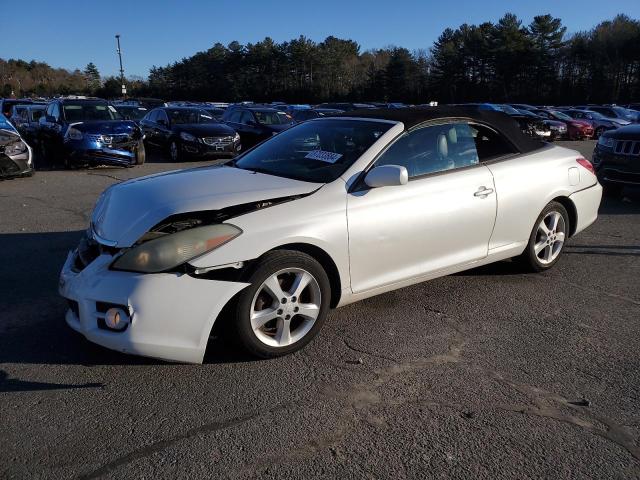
(116, 319)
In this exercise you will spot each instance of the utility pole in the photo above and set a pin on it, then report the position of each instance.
(124, 87)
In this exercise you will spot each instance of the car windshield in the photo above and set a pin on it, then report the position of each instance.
(36, 113)
(86, 112)
(317, 151)
(527, 113)
(266, 117)
(560, 115)
(180, 116)
(596, 115)
(5, 125)
(624, 113)
(508, 109)
(134, 113)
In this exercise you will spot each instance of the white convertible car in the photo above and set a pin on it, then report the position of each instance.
(329, 212)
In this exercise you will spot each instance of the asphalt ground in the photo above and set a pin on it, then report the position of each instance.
(491, 373)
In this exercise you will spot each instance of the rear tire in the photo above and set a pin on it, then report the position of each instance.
(141, 153)
(547, 239)
(284, 307)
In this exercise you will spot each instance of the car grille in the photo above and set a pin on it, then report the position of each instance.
(115, 139)
(218, 141)
(627, 147)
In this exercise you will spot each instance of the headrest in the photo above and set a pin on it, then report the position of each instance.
(443, 148)
(452, 135)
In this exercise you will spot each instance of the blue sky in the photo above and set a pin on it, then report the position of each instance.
(72, 33)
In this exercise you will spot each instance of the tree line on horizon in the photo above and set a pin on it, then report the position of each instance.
(502, 61)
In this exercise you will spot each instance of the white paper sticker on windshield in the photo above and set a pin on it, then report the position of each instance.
(329, 157)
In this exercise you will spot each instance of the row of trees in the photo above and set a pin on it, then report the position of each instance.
(535, 63)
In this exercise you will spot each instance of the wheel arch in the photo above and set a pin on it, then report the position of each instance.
(324, 259)
(568, 204)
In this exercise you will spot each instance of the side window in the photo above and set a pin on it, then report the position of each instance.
(489, 143)
(235, 116)
(55, 112)
(246, 118)
(433, 149)
(161, 115)
(151, 116)
(578, 115)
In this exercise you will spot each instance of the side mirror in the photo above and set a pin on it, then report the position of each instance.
(387, 176)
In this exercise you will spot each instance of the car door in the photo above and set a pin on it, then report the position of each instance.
(442, 217)
(253, 133)
(147, 125)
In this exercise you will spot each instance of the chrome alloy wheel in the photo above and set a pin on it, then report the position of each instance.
(285, 307)
(550, 237)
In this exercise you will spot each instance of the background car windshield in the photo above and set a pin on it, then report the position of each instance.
(596, 115)
(560, 115)
(84, 112)
(272, 118)
(185, 115)
(508, 109)
(134, 113)
(316, 151)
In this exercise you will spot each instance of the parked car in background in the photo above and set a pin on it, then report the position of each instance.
(576, 129)
(16, 156)
(256, 123)
(612, 111)
(78, 132)
(302, 115)
(345, 106)
(616, 158)
(558, 129)
(327, 213)
(6, 105)
(26, 119)
(522, 106)
(599, 122)
(530, 125)
(215, 112)
(134, 113)
(189, 132)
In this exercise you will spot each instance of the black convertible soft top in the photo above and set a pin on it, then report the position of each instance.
(411, 117)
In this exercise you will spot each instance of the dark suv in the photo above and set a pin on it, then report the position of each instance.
(255, 123)
(616, 158)
(88, 132)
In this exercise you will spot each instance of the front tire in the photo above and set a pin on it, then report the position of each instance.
(174, 151)
(547, 238)
(141, 153)
(284, 307)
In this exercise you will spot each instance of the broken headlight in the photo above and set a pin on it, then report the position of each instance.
(171, 250)
(15, 148)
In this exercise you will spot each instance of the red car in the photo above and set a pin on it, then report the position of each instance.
(576, 129)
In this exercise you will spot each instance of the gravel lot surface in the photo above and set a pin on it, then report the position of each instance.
(486, 374)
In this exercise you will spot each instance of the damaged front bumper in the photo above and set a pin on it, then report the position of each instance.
(171, 314)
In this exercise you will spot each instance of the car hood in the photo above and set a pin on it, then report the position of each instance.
(106, 126)
(126, 211)
(205, 129)
(630, 132)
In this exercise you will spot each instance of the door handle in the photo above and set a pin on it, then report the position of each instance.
(483, 192)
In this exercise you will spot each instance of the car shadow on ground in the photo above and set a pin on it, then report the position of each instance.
(32, 326)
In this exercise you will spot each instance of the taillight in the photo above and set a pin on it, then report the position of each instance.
(586, 164)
